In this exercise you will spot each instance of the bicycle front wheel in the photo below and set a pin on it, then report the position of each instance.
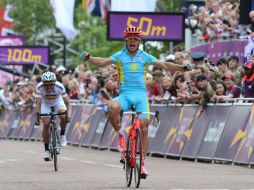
(54, 148)
(138, 158)
(128, 168)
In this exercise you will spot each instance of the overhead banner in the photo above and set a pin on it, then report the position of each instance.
(155, 26)
(218, 116)
(183, 130)
(233, 133)
(10, 55)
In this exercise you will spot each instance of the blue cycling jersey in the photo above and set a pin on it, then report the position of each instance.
(132, 69)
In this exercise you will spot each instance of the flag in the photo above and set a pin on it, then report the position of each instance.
(6, 21)
(98, 8)
(63, 11)
(133, 5)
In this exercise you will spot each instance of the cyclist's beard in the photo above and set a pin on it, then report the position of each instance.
(132, 50)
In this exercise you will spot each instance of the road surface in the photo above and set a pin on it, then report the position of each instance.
(22, 168)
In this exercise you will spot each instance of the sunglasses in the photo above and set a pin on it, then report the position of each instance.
(133, 39)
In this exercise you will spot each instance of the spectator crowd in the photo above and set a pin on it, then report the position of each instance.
(217, 19)
(226, 79)
(206, 82)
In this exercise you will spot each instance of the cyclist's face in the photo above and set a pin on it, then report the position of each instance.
(48, 87)
(132, 43)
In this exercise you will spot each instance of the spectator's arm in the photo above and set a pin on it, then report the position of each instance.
(38, 105)
(67, 103)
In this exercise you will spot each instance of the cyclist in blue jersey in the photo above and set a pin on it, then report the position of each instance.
(132, 65)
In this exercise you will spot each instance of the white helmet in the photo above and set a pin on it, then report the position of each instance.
(48, 77)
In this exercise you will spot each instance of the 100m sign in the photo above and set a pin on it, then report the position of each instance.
(25, 55)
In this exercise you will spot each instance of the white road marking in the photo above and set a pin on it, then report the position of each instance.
(89, 162)
(67, 158)
(12, 160)
(31, 152)
(111, 165)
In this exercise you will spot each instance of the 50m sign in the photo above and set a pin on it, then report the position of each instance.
(155, 26)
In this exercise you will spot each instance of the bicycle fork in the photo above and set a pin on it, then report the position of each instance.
(134, 141)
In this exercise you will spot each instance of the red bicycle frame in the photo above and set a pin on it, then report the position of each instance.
(132, 135)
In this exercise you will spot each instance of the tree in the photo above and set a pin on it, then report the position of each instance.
(31, 17)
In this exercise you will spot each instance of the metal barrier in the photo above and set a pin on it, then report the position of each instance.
(224, 131)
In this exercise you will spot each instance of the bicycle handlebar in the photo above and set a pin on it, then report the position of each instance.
(155, 114)
(52, 114)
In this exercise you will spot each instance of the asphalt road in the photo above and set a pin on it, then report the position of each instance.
(22, 168)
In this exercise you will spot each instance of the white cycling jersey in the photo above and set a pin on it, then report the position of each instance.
(54, 98)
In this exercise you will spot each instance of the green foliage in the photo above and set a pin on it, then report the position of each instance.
(31, 17)
(93, 36)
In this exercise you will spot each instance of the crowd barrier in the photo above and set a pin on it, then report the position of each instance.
(223, 132)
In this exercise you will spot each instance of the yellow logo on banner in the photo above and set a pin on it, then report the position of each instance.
(86, 127)
(146, 25)
(170, 133)
(239, 135)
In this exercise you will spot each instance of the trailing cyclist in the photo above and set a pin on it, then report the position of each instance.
(132, 65)
(50, 93)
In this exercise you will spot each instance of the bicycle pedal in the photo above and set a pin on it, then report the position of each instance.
(122, 161)
(143, 176)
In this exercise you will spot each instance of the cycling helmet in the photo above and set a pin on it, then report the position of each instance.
(132, 32)
(48, 78)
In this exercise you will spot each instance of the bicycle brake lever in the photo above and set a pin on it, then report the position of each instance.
(157, 116)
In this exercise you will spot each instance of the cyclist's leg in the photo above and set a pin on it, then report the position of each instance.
(60, 107)
(45, 108)
(114, 109)
(142, 105)
(45, 130)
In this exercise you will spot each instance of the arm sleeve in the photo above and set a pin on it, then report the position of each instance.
(37, 93)
(151, 59)
(115, 57)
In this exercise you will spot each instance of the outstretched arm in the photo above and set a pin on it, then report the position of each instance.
(169, 66)
(98, 61)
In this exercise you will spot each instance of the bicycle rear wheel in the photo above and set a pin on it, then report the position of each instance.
(138, 158)
(54, 148)
(128, 168)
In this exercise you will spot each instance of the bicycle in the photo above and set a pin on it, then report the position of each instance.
(134, 151)
(54, 142)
